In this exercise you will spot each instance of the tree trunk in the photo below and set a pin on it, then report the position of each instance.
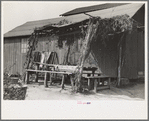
(85, 51)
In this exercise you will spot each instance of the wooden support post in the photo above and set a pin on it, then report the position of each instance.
(120, 60)
(27, 78)
(45, 80)
(95, 85)
(119, 67)
(63, 80)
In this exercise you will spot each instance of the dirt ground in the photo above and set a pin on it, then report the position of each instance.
(37, 91)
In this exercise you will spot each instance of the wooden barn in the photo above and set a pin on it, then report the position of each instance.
(105, 56)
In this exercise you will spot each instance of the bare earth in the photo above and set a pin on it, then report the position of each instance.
(37, 91)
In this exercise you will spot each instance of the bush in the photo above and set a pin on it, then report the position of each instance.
(13, 91)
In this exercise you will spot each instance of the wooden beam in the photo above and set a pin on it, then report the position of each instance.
(42, 71)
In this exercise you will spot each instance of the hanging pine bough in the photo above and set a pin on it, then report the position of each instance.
(115, 25)
(100, 28)
(32, 45)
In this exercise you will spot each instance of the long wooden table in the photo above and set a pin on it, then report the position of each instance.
(45, 78)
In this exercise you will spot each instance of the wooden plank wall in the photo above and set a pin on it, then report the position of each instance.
(49, 44)
(141, 52)
(12, 55)
(107, 54)
(134, 55)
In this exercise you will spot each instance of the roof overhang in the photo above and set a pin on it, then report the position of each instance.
(129, 9)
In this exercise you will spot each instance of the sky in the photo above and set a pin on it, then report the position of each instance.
(16, 13)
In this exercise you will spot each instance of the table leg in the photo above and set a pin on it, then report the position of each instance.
(63, 80)
(45, 80)
(27, 78)
(72, 82)
(50, 77)
(36, 78)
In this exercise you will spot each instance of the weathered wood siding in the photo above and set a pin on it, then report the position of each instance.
(129, 62)
(141, 52)
(106, 54)
(133, 55)
(12, 55)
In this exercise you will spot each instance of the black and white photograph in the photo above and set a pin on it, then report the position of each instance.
(86, 52)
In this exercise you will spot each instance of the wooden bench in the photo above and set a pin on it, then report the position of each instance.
(97, 80)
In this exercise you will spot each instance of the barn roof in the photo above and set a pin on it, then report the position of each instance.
(92, 8)
(28, 28)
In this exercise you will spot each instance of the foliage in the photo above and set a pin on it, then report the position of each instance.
(114, 25)
(13, 90)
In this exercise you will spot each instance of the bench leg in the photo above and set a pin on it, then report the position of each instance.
(45, 80)
(89, 83)
(36, 78)
(95, 85)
